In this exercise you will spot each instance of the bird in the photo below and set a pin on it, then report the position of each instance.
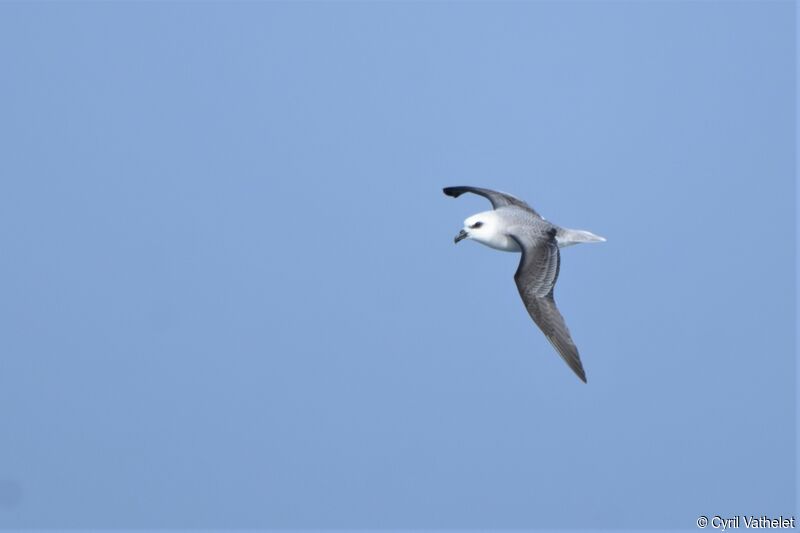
(514, 226)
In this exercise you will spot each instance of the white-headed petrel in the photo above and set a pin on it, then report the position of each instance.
(513, 226)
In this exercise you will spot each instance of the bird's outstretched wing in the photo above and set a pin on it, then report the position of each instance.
(498, 199)
(536, 277)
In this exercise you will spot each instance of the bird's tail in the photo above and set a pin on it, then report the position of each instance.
(568, 237)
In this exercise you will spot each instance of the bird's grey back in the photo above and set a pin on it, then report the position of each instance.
(528, 227)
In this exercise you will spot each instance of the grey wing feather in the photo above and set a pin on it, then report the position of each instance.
(498, 199)
(536, 277)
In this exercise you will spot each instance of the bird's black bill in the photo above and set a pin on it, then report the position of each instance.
(461, 236)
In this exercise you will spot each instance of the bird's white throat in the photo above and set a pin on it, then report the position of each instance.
(490, 229)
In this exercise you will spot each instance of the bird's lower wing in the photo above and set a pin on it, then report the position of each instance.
(536, 278)
(544, 312)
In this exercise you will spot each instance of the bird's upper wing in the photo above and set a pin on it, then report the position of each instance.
(498, 199)
(536, 277)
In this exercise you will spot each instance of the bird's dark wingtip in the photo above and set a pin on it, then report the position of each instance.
(455, 192)
(578, 369)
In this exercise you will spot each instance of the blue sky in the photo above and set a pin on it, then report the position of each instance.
(231, 298)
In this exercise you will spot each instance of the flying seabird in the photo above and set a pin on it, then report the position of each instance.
(514, 226)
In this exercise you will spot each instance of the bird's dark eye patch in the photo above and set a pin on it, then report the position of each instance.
(476, 225)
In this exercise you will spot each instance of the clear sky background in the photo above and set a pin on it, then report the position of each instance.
(230, 295)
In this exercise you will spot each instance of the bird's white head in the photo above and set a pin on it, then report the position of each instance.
(487, 228)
